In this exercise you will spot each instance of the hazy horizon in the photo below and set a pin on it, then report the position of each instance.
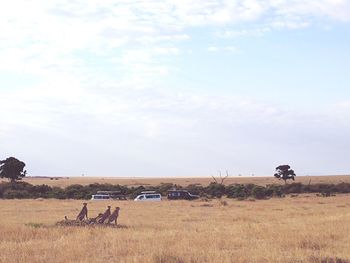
(179, 177)
(175, 88)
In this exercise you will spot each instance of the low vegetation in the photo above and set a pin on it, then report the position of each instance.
(23, 190)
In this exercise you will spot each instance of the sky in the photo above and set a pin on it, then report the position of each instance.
(175, 87)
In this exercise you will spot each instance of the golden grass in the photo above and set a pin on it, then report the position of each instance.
(302, 229)
(63, 182)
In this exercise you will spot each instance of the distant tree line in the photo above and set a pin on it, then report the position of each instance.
(13, 169)
(21, 190)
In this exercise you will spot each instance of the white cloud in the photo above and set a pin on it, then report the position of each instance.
(166, 50)
(334, 9)
(230, 49)
(157, 133)
(43, 36)
(256, 32)
(213, 49)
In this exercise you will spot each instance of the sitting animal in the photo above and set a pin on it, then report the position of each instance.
(114, 216)
(105, 215)
(83, 213)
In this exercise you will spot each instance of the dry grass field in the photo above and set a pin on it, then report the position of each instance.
(300, 229)
(64, 181)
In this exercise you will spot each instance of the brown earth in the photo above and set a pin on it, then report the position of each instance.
(65, 181)
(306, 228)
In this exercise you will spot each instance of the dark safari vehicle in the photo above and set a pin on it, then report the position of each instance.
(181, 194)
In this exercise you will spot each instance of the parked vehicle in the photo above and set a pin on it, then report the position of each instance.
(181, 194)
(105, 195)
(148, 196)
(100, 197)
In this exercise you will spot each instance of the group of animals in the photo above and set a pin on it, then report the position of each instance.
(103, 218)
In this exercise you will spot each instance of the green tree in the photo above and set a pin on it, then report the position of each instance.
(12, 169)
(284, 172)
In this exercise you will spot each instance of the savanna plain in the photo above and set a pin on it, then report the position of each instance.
(303, 228)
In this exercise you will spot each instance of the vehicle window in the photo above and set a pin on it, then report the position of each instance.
(153, 196)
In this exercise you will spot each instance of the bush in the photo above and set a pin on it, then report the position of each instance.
(259, 192)
(57, 193)
(342, 188)
(76, 191)
(40, 191)
(215, 190)
(3, 188)
(16, 194)
(294, 188)
(237, 191)
(274, 190)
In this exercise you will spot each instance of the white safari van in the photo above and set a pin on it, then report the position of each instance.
(148, 196)
(100, 197)
(105, 195)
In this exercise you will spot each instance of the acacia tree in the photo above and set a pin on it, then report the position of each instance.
(222, 179)
(285, 173)
(12, 169)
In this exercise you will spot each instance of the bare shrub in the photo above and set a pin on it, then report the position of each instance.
(168, 258)
(223, 203)
(206, 205)
(35, 225)
(310, 244)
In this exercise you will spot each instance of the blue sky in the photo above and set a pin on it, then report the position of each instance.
(175, 88)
